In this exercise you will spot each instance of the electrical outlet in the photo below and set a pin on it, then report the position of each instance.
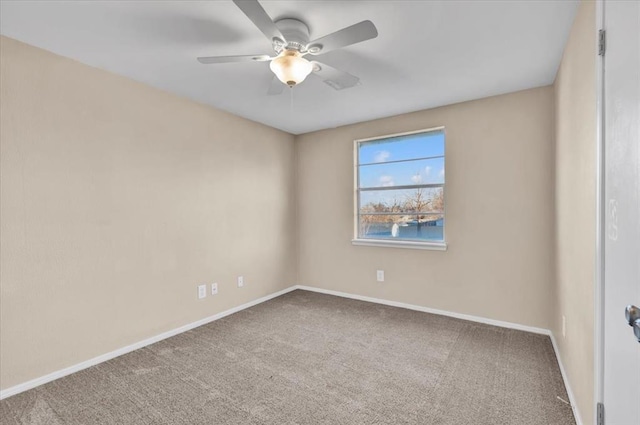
(214, 289)
(240, 281)
(380, 275)
(564, 326)
(202, 291)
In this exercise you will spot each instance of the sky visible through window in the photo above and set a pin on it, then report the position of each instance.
(382, 174)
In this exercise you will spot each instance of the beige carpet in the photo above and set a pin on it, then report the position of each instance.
(306, 358)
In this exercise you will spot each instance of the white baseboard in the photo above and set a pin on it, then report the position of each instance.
(124, 350)
(129, 348)
(468, 317)
(572, 399)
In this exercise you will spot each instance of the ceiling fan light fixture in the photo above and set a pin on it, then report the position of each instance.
(290, 67)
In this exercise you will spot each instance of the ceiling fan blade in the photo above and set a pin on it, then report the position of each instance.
(276, 87)
(335, 78)
(228, 59)
(260, 19)
(361, 31)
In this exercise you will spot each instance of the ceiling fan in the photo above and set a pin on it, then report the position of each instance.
(290, 41)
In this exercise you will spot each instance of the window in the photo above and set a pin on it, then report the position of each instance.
(400, 190)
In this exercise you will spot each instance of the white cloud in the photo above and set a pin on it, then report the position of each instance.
(381, 156)
(442, 173)
(386, 181)
(427, 170)
(417, 178)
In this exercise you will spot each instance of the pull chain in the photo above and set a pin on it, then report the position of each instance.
(291, 103)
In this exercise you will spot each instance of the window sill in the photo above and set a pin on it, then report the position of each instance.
(434, 246)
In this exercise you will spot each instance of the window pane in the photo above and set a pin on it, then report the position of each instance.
(412, 146)
(427, 171)
(390, 206)
(402, 227)
(402, 200)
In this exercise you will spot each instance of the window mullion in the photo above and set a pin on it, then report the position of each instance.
(402, 187)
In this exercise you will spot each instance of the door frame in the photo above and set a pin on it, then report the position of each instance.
(600, 220)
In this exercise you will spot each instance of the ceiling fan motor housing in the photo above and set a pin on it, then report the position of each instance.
(290, 40)
(296, 34)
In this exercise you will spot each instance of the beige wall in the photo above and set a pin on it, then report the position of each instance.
(576, 206)
(116, 201)
(499, 223)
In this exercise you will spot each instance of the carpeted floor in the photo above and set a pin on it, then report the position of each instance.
(307, 358)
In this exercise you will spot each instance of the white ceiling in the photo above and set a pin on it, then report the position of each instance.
(427, 54)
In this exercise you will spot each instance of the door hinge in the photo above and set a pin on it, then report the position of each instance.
(602, 42)
(600, 413)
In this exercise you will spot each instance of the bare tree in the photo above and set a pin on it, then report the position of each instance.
(421, 202)
(372, 213)
(437, 203)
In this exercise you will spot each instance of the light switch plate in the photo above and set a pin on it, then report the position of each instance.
(214, 289)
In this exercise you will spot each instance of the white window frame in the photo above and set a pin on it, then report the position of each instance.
(389, 243)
